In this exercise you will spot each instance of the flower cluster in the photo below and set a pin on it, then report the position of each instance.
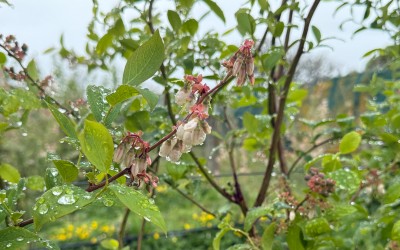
(193, 87)
(193, 131)
(12, 47)
(318, 184)
(132, 152)
(241, 64)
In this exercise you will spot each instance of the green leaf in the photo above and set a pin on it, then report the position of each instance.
(293, 238)
(104, 42)
(139, 204)
(112, 114)
(35, 182)
(111, 244)
(278, 29)
(349, 142)
(271, 58)
(190, 26)
(9, 173)
(145, 61)
(67, 126)
(246, 23)
(97, 145)
(396, 231)
(317, 33)
(3, 58)
(96, 101)
(331, 162)
(253, 215)
(218, 237)
(122, 93)
(216, 9)
(19, 238)
(264, 5)
(250, 123)
(58, 202)
(317, 227)
(345, 180)
(32, 70)
(392, 193)
(151, 98)
(174, 20)
(138, 121)
(52, 178)
(68, 171)
(268, 237)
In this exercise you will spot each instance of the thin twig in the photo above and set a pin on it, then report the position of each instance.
(190, 199)
(141, 233)
(279, 119)
(121, 233)
(315, 146)
(36, 84)
(238, 196)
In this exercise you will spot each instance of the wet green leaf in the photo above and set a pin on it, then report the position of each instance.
(253, 214)
(97, 145)
(68, 171)
(122, 93)
(19, 238)
(95, 97)
(67, 126)
(139, 204)
(317, 227)
(58, 202)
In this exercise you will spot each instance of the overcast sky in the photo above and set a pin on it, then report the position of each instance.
(40, 23)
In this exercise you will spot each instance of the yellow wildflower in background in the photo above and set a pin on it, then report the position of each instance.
(156, 236)
(187, 226)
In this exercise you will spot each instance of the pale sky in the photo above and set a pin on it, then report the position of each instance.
(40, 23)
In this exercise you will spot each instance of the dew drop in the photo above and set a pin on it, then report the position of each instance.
(20, 239)
(67, 199)
(56, 191)
(43, 209)
(108, 202)
(40, 200)
(9, 245)
(151, 201)
(53, 171)
(146, 218)
(24, 134)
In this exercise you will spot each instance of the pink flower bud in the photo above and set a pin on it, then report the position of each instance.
(119, 153)
(237, 66)
(250, 66)
(241, 76)
(129, 157)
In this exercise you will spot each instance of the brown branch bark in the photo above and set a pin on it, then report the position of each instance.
(281, 108)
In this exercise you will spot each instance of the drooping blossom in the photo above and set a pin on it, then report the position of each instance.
(241, 64)
(132, 153)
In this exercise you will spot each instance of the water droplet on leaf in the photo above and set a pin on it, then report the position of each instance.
(67, 199)
(43, 209)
